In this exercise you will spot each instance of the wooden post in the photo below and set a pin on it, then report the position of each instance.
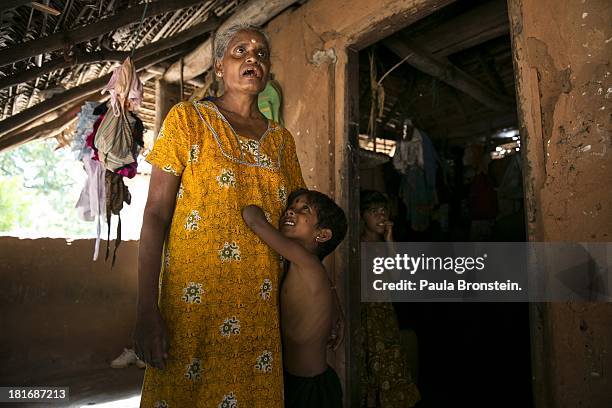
(166, 96)
(349, 257)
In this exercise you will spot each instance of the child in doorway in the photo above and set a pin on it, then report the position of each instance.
(310, 229)
(386, 379)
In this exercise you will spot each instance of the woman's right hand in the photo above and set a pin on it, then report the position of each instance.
(151, 338)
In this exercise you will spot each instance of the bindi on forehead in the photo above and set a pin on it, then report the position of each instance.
(253, 42)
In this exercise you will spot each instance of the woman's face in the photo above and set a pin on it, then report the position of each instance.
(246, 63)
(375, 218)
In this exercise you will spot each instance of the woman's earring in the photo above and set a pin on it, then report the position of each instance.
(219, 74)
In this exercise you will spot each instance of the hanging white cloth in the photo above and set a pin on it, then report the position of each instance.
(124, 85)
(409, 152)
(91, 205)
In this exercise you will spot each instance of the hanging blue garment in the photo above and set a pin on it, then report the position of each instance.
(418, 187)
(85, 121)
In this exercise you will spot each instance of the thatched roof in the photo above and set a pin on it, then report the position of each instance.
(43, 55)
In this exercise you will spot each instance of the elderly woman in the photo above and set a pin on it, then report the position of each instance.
(208, 326)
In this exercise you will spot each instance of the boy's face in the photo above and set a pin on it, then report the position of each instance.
(300, 220)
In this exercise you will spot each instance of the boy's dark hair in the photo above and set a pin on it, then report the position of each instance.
(329, 215)
(370, 199)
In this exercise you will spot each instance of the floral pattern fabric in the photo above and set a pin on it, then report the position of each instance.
(219, 283)
(385, 378)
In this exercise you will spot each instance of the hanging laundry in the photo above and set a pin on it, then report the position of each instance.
(89, 141)
(129, 170)
(409, 152)
(418, 185)
(125, 88)
(85, 121)
(116, 194)
(112, 147)
(91, 205)
(114, 141)
(115, 136)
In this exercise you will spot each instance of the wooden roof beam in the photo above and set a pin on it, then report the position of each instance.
(476, 26)
(448, 73)
(45, 9)
(37, 111)
(199, 29)
(48, 129)
(159, 70)
(60, 63)
(52, 127)
(10, 4)
(69, 38)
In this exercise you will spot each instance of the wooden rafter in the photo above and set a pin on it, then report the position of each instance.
(60, 63)
(47, 129)
(474, 27)
(45, 9)
(56, 124)
(66, 39)
(10, 124)
(209, 25)
(447, 73)
(9, 4)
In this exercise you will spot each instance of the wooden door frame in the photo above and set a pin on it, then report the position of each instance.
(348, 258)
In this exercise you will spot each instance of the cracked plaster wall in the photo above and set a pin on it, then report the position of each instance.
(562, 55)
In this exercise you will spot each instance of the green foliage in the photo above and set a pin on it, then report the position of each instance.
(39, 189)
(13, 207)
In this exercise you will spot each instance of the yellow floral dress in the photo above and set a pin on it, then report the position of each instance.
(219, 281)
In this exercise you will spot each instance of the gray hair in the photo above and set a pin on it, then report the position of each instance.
(223, 37)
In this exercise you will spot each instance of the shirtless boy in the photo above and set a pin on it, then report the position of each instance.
(310, 229)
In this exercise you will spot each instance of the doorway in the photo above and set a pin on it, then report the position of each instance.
(449, 79)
